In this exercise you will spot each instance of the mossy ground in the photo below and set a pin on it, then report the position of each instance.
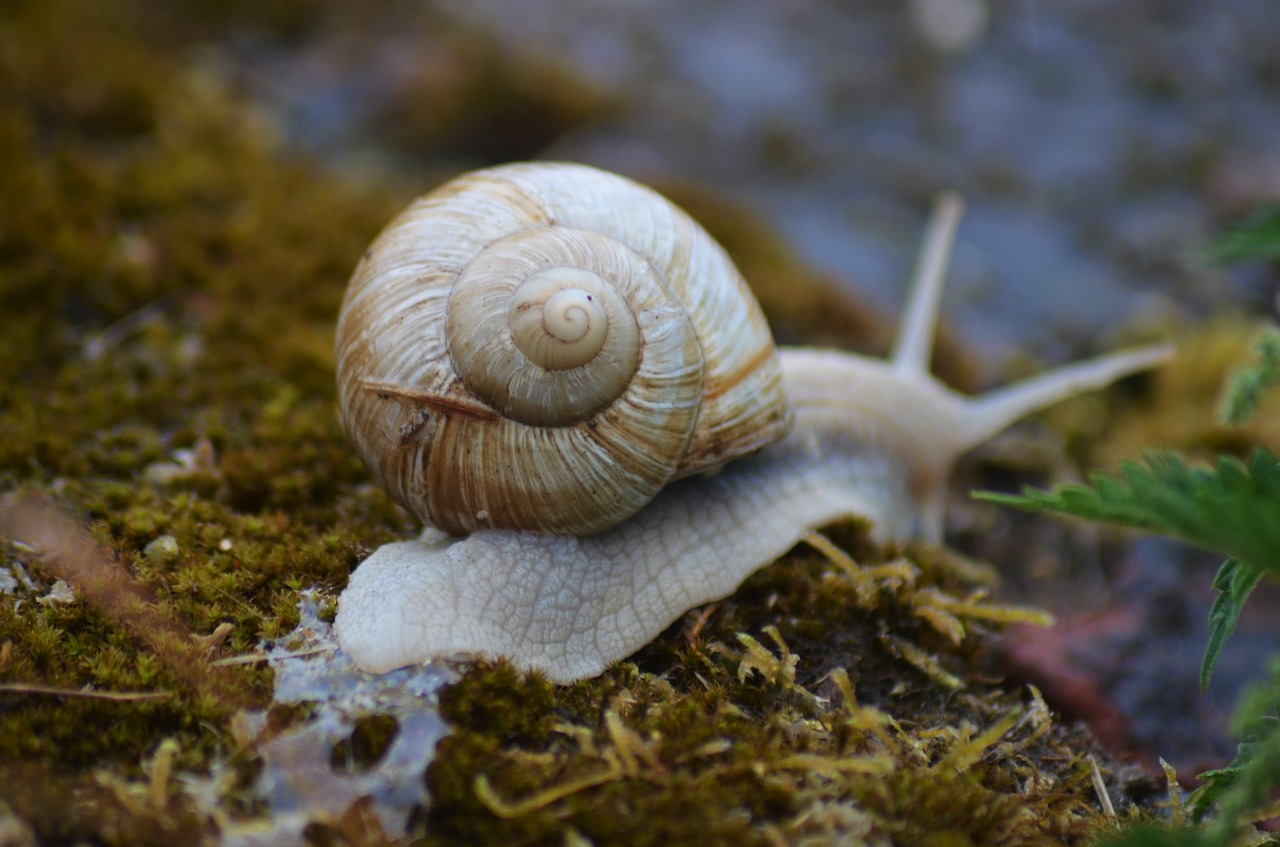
(808, 708)
(169, 279)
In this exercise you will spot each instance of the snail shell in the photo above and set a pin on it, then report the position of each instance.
(543, 347)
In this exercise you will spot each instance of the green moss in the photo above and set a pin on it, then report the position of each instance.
(168, 281)
(73, 646)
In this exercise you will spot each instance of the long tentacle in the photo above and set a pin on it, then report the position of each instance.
(992, 412)
(982, 417)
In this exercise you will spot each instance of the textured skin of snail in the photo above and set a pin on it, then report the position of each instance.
(871, 438)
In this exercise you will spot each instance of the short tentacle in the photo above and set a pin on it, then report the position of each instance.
(984, 416)
(914, 345)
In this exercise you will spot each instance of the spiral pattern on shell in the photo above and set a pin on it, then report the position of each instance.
(541, 324)
(544, 347)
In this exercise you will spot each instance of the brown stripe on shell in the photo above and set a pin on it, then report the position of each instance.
(445, 405)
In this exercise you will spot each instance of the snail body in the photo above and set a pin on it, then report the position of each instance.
(814, 435)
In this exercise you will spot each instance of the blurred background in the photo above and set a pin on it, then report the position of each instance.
(152, 150)
(1097, 146)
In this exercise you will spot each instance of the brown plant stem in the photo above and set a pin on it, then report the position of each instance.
(69, 553)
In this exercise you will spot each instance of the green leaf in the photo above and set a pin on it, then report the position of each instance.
(1247, 782)
(1234, 582)
(1258, 237)
(1257, 763)
(1229, 508)
(1248, 384)
(1218, 782)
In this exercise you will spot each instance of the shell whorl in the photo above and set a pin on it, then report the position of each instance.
(544, 347)
(542, 325)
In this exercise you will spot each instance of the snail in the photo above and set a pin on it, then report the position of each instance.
(464, 352)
